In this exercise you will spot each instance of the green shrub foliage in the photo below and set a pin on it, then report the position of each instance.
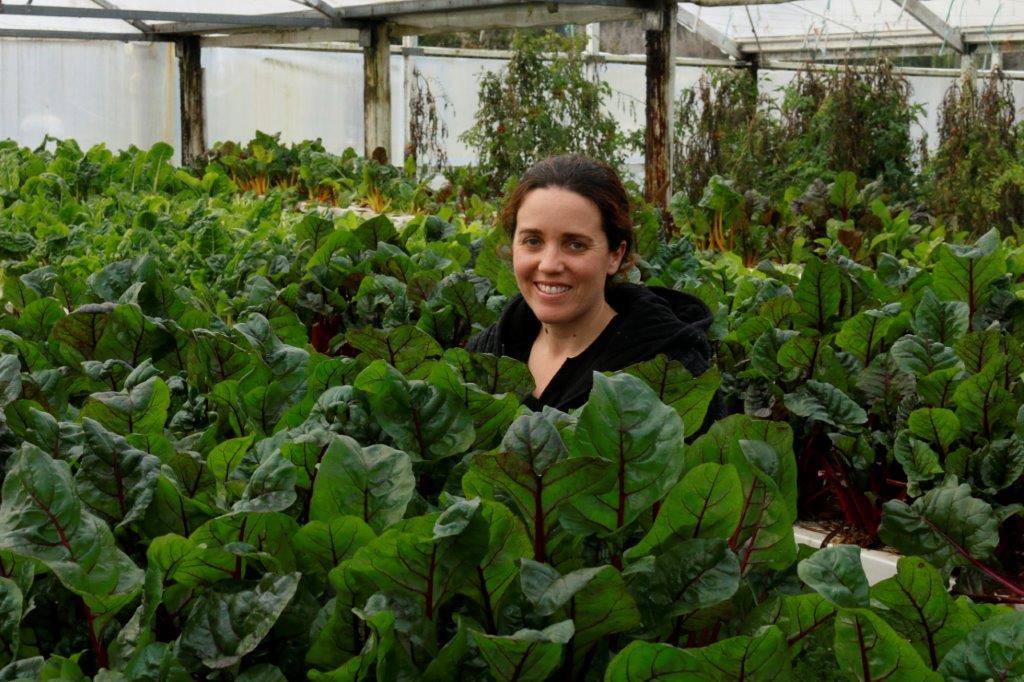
(545, 101)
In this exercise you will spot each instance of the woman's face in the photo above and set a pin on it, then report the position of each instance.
(560, 255)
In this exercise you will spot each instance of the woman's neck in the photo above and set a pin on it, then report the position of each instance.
(572, 339)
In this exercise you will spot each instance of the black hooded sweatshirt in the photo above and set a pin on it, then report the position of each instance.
(649, 321)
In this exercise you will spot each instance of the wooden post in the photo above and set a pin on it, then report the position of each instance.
(193, 109)
(410, 48)
(661, 39)
(377, 94)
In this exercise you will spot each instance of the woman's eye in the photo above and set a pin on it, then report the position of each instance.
(530, 241)
(577, 246)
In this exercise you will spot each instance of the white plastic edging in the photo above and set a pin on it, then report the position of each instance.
(878, 565)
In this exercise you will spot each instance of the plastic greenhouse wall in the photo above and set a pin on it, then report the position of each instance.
(122, 94)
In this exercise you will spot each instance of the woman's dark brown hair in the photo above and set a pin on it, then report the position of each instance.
(591, 179)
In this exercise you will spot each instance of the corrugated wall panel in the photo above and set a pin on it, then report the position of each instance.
(124, 94)
(115, 93)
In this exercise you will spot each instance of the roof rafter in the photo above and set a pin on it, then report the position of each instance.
(710, 34)
(322, 7)
(135, 23)
(383, 10)
(934, 23)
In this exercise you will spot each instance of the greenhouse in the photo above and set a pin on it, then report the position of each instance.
(486, 340)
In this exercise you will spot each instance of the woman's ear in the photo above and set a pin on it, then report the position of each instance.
(615, 259)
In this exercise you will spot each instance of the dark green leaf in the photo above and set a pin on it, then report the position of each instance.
(624, 423)
(867, 648)
(374, 483)
(230, 621)
(825, 403)
(836, 573)
(992, 650)
(526, 655)
(919, 607)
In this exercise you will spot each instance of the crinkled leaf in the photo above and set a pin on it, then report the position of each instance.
(863, 334)
(944, 527)
(992, 650)
(918, 356)
(825, 403)
(691, 575)
(420, 418)
(796, 615)
(920, 463)
(41, 517)
(979, 349)
(533, 472)
(231, 620)
(836, 574)
(424, 568)
(497, 569)
(141, 409)
(116, 480)
(965, 273)
(982, 404)
(405, 348)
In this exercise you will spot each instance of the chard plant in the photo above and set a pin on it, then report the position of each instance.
(242, 442)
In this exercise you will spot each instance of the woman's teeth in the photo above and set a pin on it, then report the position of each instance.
(550, 289)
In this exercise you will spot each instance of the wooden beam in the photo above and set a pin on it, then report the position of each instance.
(660, 99)
(710, 34)
(389, 10)
(377, 93)
(283, 20)
(193, 109)
(523, 14)
(37, 34)
(729, 3)
(299, 37)
(934, 23)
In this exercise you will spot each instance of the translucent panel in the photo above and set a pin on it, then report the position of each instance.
(865, 17)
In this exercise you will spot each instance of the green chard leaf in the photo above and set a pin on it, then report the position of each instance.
(230, 621)
(646, 662)
(42, 518)
(625, 424)
(533, 473)
(867, 648)
(526, 655)
(689, 396)
(918, 605)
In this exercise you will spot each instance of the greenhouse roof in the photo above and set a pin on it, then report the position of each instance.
(811, 29)
(793, 29)
(319, 20)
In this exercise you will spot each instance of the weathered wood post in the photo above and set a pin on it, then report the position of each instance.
(661, 40)
(193, 109)
(377, 93)
(410, 48)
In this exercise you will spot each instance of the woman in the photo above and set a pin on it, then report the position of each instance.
(571, 233)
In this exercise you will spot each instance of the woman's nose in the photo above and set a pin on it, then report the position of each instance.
(550, 260)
